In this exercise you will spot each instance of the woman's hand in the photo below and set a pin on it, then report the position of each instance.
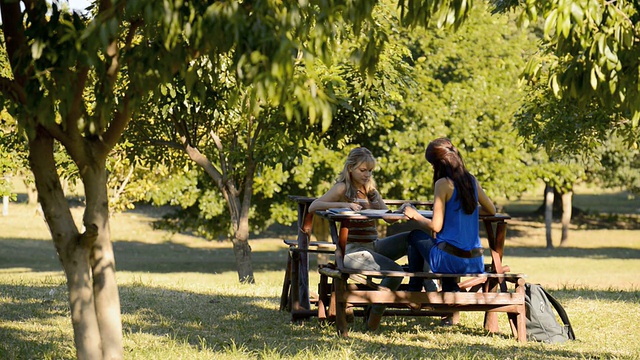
(355, 206)
(409, 211)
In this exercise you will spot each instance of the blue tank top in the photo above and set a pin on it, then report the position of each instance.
(460, 230)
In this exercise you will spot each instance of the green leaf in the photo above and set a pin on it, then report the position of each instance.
(37, 48)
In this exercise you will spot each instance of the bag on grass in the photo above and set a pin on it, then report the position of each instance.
(541, 319)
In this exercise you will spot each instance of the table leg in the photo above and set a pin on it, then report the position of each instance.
(303, 261)
(496, 243)
(341, 308)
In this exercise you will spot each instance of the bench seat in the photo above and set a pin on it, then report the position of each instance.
(352, 288)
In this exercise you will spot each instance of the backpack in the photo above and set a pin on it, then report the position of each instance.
(541, 320)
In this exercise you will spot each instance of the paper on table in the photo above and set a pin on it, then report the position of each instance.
(348, 211)
(425, 213)
(345, 211)
(374, 211)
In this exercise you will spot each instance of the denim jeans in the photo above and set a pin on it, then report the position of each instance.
(379, 255)
(420, 245)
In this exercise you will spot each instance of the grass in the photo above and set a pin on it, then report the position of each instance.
(181, 299)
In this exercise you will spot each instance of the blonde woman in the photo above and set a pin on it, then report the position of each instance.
(355, 188)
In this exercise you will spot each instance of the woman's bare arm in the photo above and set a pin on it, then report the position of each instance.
(486, 205)
(333, 199)
(443, 191)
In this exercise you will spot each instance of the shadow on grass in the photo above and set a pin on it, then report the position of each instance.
(168, 257)
(23, 344)
(220, 323)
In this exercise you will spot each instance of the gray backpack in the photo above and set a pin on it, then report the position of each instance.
(541, 319)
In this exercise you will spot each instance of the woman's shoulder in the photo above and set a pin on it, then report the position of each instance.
(445, 182)
(338, 190)
(340, 186)
(444, 187)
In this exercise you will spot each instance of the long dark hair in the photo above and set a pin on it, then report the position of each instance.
(447, 163)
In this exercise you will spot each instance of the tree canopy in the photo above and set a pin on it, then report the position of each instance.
(588, 66)
(78, 82)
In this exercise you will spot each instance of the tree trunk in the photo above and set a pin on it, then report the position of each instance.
(566, 216)
(102, 260)
(238, 211)
(87, 259)
(242, 252)
(5, 205)
(32, 193)
(241, 247)
(548, 213)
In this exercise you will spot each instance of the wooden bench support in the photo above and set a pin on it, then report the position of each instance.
(347, 295)
(292, 297)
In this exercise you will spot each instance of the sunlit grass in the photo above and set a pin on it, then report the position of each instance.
(180, 299)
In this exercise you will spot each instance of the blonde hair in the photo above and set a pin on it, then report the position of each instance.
(357, 157)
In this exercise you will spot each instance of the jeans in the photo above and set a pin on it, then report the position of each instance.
(379, 255)
(420, 245)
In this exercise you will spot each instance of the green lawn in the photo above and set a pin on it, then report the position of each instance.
(181, 300)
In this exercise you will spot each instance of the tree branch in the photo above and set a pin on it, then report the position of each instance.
(170, 144)
(132, 33)
(220, 147)
(14, 37)
(195, 155)
(120, 121)
(13, 90)
(76, 109)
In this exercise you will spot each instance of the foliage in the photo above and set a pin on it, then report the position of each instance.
(589, 62)
(10, 156)
(463, 86)
(617, 166)
(219, 116)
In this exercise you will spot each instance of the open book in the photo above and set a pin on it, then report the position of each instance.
(348, 211)
(344, 211)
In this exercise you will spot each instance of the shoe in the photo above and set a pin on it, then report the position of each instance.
(367, 311)
(415, 308)
(373, 322)
(450, 286)
(430, 285)
(446, 320)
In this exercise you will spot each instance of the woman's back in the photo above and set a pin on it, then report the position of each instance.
(459, 228)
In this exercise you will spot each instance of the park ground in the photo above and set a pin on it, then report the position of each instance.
(181, 299)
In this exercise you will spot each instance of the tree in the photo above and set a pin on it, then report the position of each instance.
(463, 86)
(125, 50)
(589, 62)
(246, 149)
(608, 160)
(215, 125)
(616, 166)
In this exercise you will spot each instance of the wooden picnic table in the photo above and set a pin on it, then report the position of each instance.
(296, 296)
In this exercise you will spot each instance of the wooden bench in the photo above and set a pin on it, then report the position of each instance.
(488, 292)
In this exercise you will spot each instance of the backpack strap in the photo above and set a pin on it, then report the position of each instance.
(563, 314)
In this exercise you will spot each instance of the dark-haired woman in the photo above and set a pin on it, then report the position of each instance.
(456, 247)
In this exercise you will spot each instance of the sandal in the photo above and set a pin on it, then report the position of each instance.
(446, 320)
